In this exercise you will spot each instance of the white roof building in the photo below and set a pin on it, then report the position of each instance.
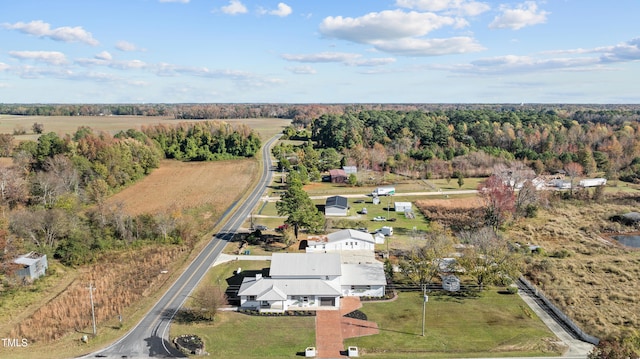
(346, 239)
(311, 281)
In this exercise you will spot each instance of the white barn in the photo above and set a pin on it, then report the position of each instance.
(344, 240)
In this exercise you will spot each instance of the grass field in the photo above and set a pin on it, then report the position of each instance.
(593, 280)
(490, 325)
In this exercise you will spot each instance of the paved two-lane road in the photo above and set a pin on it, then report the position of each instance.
(150, 337)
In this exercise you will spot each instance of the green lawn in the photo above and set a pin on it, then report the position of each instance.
(491, 324)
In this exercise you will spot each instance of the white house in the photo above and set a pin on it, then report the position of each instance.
(344, 240)
(310, 281)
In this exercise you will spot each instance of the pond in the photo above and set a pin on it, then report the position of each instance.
(628, 240)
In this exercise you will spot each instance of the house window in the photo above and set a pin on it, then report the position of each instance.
(264, 304)
(251, 298)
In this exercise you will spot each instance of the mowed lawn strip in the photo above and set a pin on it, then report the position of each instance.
(489, 325)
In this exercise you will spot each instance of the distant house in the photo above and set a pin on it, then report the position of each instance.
(344, 240)
(336, 206)
(310, 281)
(338, 176)
(350, 170)
(34, 265)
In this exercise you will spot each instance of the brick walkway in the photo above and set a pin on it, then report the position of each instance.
(332, 328)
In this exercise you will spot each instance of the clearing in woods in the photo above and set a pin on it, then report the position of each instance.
(182, 185)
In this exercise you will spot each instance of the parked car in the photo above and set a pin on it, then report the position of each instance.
(362, 229)
(261, 227)
(379, 219)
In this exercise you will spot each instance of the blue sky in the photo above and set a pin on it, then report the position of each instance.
(319, 51)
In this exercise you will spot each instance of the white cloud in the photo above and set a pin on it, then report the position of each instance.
(40, 28)
(430, 47)
(105, 59)
(235, 7)
(127, 46)
(525, 14)
(302, 70)
(104, 55)
(345, 58)
(282, 11)
(3, 66)
(384, 25)
(459, 7)
(400, 32)
(49, 57)
(628, 51)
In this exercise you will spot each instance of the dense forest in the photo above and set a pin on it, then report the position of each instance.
(53, 195)
(471, 141)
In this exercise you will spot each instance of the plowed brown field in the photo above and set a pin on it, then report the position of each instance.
(181, 185)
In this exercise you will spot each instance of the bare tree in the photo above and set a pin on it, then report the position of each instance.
(515, 174)
(208, 299)
(43, 227)
(573, 170)
(422, 264)
(499, 201)
(62, 168)
(13, 187)
(487, 257)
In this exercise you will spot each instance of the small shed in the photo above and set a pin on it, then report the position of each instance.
(336, 206)
(402, 206)
(338, 176)
(34, 265)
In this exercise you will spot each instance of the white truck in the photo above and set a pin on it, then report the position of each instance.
(384, 191)
(386, 230)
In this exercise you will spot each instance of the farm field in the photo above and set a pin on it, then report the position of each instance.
(267, 127)
(177, 186)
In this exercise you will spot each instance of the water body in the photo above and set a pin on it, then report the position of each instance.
(629, 241)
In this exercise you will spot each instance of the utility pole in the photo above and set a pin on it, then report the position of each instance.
(425, 299)
(93, 312)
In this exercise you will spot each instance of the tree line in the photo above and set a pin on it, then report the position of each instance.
(471, 141)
